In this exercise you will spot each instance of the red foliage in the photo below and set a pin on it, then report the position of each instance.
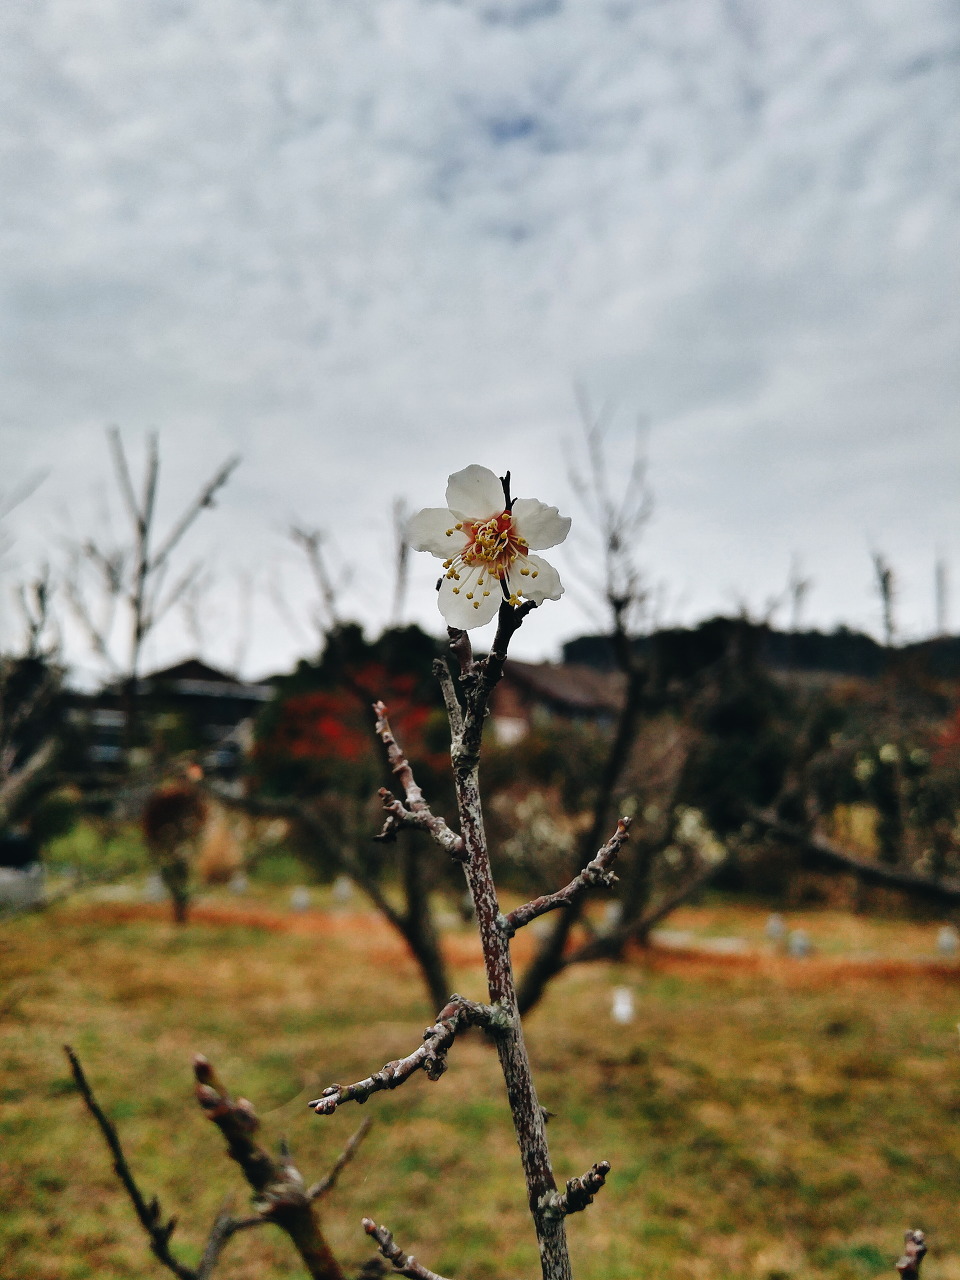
(337, 725)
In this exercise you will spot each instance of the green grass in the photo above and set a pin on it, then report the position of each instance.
(756, 1128)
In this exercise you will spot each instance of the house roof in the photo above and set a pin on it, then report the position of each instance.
(575, 688)
(198, 679)
(192, 669)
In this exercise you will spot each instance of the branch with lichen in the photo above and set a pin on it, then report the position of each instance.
(403, 1264)
(598, 871)
(579, 1192)
(416, 812)
(431, 1057)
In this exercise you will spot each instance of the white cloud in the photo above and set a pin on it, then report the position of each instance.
(368, 243)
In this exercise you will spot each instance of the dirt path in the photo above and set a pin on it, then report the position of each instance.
(464, 950)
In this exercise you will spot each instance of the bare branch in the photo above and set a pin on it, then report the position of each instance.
(914, 1248)
(599, 871)
(329, 1180)
(818, 851)
(13, 786)
(150, 1215)
(418, 813)
(579, 1192)
(281, 1196)
(124, 479)
(203, 499)
(311, 540)
(403, 1264)
(225, 1227)
(430, 1057)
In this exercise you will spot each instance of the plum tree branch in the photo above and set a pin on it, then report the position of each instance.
(579, 1192)
(403, 1264)
(417, 812)
(431, 1057)
(325, 1185)
(598, 871)
(280, 1192)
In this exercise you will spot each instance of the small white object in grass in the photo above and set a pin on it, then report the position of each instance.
(300, 899)
(776, 927)
(21, 886)
(154, 890)
(612, 914)
(798, 944)
(948, 940)
(342, 889)
(239, 882)
(621, 1010)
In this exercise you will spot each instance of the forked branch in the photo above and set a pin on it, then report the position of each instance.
(416, 812)
(598, 871)
(431, 1057)
(280, 1192)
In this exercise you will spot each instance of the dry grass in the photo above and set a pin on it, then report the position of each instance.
(763, 1120)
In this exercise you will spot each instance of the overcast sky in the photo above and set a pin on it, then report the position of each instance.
(367, 242)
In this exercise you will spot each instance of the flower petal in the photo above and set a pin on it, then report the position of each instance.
(540, 526)
(545, 586)
(474, 493)
(427, 531)
(458, 611)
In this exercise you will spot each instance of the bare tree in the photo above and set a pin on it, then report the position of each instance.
(618, 512)
(133, 577)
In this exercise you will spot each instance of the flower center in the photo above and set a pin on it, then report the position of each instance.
(494, 544)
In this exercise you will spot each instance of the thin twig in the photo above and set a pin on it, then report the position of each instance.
(430, 1057)
(418, 812)
(403, 1264)
(599, 871)
(225, 1227)
(329, 1180)
(150, 1214)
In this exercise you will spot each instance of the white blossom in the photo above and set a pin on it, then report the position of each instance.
(485, 547)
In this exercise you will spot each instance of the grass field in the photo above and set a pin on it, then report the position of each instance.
(767, 1119)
